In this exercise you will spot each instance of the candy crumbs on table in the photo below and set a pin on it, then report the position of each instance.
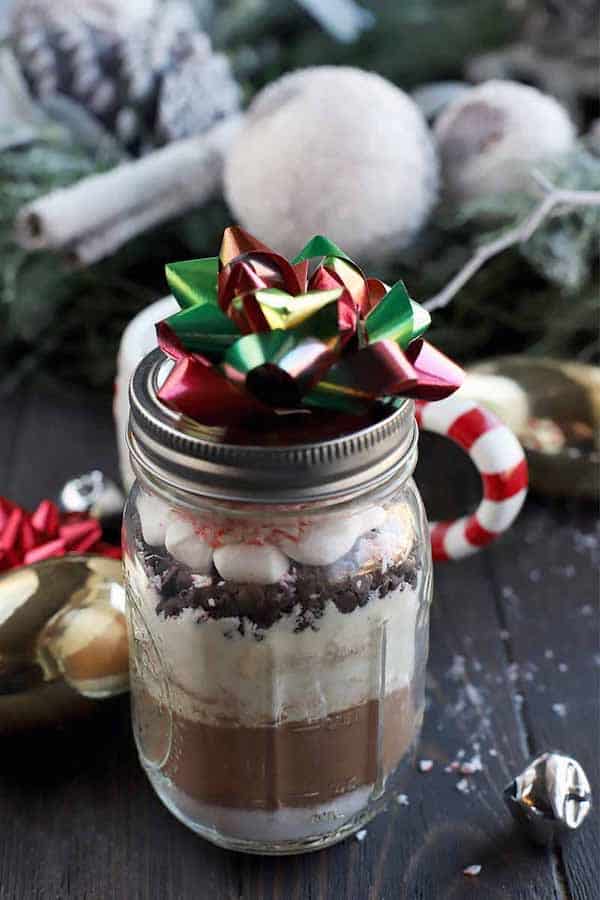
(462, 786)
(472, 871)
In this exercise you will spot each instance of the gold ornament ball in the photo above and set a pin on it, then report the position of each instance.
(63, 639)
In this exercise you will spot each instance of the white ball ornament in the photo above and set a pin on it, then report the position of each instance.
(492, 136)
(334, 151)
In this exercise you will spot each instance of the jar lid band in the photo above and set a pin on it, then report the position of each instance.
(173, 449)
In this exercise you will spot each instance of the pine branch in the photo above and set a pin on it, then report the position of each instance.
(555, 199)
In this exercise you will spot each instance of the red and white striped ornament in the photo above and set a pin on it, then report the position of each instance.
(500, 461)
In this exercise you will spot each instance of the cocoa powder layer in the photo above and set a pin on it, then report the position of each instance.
(295, 764)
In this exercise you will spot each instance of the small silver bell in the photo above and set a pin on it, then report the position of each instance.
(552, 794)
(94, 494)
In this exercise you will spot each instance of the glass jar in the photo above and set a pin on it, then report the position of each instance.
(278, 602)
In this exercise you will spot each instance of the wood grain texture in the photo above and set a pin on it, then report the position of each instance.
(79, 820)
(549, 602)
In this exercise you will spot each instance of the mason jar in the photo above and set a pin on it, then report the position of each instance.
(278, 604)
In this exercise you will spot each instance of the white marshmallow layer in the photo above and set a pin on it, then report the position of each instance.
(328, 540)
(185, 545)
(253, 552)
(154, 515)
(285, 824)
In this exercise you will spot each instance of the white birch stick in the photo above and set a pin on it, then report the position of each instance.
(555, 199)
(93, 218)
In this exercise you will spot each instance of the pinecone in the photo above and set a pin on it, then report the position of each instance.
(142, 69)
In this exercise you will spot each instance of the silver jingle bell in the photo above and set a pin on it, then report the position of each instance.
(551, 795)
(94, 494)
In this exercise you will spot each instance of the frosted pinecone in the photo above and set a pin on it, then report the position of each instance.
(141, 68)
(196, 92)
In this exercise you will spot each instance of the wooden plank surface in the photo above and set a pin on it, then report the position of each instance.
(79, 820)
(545, 581)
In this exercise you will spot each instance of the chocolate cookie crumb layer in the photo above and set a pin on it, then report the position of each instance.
(306, 588)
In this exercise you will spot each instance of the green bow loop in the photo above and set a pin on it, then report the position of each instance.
(320, 246)
(398, 318)
(277, 364)
(255, 350)
(204, 329)
(193, 281)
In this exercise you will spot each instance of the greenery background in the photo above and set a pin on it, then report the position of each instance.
(540, 298)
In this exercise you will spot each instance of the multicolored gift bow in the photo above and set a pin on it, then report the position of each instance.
(31, 537)
(257, 333)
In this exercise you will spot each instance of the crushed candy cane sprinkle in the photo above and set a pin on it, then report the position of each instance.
(472, 871)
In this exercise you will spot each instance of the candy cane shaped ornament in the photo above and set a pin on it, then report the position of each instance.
(501, 463)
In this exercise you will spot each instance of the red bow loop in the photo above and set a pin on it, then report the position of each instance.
(27, 538)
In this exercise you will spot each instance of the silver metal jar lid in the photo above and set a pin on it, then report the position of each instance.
(176, 451)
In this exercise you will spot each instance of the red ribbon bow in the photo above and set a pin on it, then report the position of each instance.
(32, 537)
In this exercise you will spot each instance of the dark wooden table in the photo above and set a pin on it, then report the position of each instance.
(514, 668)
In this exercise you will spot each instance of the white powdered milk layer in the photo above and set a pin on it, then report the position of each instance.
(214, 673)
(286, 824)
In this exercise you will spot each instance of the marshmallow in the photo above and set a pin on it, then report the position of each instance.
(371, 518)
(400, 529)
(324, 542)
(251, 563)
(154, 518)
(185, 545)
(388, 538)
